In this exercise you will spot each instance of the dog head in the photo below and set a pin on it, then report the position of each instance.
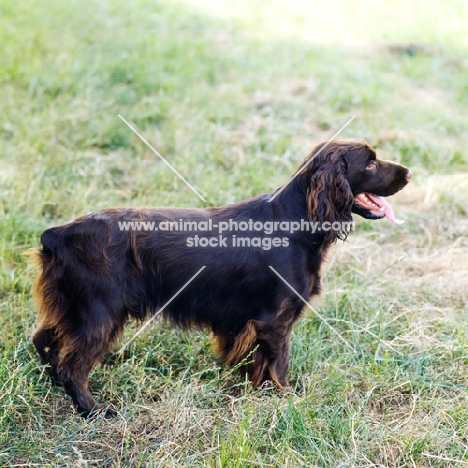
(345, 176)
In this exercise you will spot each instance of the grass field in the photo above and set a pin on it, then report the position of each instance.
(235, 94)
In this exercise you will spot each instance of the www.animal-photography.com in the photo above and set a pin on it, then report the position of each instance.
(234, 234)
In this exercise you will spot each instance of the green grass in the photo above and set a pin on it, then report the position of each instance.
(234, 95)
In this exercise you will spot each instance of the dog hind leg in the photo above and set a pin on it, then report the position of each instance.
(46, 342)
(80, 351)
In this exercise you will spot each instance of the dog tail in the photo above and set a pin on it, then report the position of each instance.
(50, 301)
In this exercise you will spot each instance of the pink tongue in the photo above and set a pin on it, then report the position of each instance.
(388, 212)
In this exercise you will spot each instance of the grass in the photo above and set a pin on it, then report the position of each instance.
(234, 95)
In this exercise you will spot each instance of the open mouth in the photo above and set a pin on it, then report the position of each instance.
(377, 205)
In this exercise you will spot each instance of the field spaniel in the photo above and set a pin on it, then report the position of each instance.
(100, 270)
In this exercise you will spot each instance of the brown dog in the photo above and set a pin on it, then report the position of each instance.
(100, 270)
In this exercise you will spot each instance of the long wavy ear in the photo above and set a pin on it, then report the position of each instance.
(329, 197)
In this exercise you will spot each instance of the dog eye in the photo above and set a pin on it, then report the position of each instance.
(371, 165)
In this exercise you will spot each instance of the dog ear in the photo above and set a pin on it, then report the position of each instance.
(329, 196)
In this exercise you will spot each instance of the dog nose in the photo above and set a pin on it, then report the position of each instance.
(408, 175)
